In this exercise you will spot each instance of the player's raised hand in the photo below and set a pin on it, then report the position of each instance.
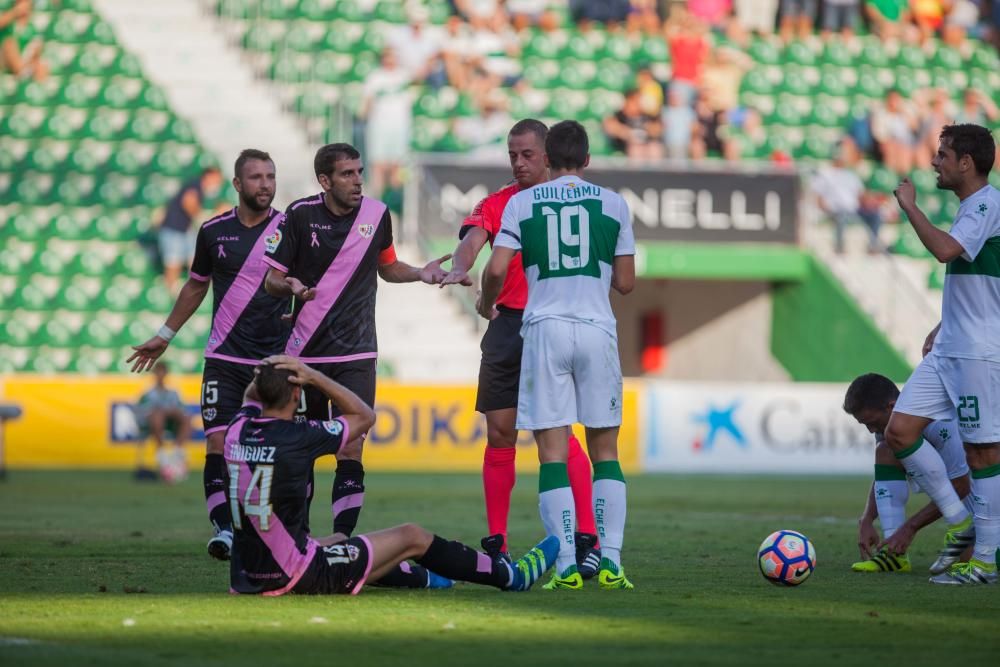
(432, 273)
(456, 277)
(145, 355)
(300, 291)
(300, 372)
(900, 541)
(905, 193)
(867, 538)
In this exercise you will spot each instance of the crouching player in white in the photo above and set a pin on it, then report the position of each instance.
(576, 243)
(870, 400)
(962, 369)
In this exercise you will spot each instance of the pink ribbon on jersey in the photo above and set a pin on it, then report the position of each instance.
(222, 250)
(315, 241)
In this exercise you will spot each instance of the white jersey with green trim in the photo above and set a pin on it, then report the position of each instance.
(970, 310)
(569, 232)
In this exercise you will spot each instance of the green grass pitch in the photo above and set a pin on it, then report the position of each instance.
(96, 569)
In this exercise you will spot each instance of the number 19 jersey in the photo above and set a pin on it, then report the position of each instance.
(569, 232)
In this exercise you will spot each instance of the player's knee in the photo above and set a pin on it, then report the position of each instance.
(898, 437)
(417, 536)
(351, 450)
(216, 443)
(501, 435)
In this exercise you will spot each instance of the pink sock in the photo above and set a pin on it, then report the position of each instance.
(578, 468)
(498, 481)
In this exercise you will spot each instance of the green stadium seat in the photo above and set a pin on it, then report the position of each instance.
(796, 80)
(390, 12)
(948, 58)
(17, 328)
(616, 76)
(318, 10)
(343, 37)
(765, 52)
(617, 47)
(873, 53)
(577, 74)
(541, 73)
(47, 360)
(90, 361)
(351, 11)
(103, 329)
(279, 10)
(653, 50)
(838, 54)
(71, 27)
(800, 53)
(544, 45)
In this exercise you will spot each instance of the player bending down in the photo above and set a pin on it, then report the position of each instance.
(270, 458)
(870, 400)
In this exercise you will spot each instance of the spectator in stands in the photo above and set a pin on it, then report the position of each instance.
(939, 111)
(928, 15)
(633, 132)
(175, 236)
(689, 46)
(602, 11)
(961, 19)
(20, 45)
(679, 121)
(797, 18)
(841, 17)
(710, 132)
(650, 92)
(843, 197)
(527, 13)
(421, 44)
(161, 409)
(894, 127)
(977, 108)
(471, 10)
(887, 17)
(387, 108)
(713, 13)
(758, 16)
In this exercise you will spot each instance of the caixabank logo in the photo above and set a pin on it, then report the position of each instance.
(718, 424)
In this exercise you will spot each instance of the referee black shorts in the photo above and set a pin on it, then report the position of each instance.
(500, 369)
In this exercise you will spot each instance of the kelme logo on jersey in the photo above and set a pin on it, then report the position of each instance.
(982, 208)
(333, 427)
(272, 242)
(209, 414)
(366, 230)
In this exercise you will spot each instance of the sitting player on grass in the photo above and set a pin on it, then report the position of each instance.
(270, 457)
(870, 400)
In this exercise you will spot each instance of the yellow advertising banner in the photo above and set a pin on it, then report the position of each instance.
(74, 421)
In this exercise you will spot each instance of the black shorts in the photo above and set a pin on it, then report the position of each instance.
(223, 384)
(338, 569)
(500, 369)
(358, 376)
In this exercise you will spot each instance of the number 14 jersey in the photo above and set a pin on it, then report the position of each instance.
(569, 232)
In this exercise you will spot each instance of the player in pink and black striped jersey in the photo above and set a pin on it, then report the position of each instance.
(270, 456)
(246, 321)
(328, 254)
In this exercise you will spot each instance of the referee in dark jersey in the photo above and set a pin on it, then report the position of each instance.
(327, 254)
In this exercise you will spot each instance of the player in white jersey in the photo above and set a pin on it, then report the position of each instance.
(576, 243)
(870, 399)
(961, 370)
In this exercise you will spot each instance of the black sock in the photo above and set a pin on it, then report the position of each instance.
(405, 575)
(348, 494)
(457, 561)
(216, 502)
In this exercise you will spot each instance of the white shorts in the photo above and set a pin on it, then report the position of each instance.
(951, 450)
(940, 385)
(570, 374)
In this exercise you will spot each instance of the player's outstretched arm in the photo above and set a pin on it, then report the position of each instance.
(940, 243)
(278, 283)
(493, 277)
(623, 274)
(190, 297)
(360, 418)
(401, 272)
(465, 256)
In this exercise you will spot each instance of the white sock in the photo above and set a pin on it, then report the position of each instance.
(609, 511)
(986, 500)
(559, 518)
(890, 499)
(926, 467)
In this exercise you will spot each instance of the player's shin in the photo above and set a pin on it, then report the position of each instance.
(924, 464)
(609, 508)
(891, 493)
(406, 575)
(499, 477)
(456, 561)
(986, 501)
(578, 470)
(348, 495)
(214, 478)
(555, 504)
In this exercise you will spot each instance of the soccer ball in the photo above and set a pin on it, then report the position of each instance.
(786, 557)
(173, 465)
